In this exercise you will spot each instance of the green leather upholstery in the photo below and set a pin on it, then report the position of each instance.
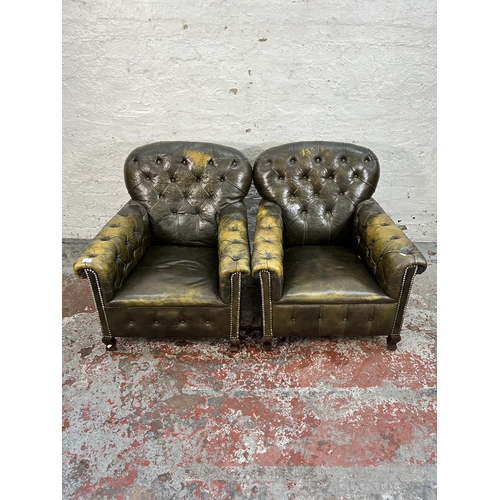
(330, 261)
(233, 249)
(170, 263)
(172, 275)
(339, 277)
(116, 249)
(384, 248)
(267, 252)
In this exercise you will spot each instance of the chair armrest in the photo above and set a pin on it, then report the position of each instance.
(268, 251)
(384, 247)
(233, 247)
(116, 249)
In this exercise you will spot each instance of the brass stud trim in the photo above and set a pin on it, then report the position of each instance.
(87, 271)
(236, 333)
(401, 295)
(263, 303)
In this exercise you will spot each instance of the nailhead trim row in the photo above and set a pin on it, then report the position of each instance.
(231, 308)
(270, 304)
(262, 299)
(87, 271)
(237, 333)
(239, 306)
(407, 296)
(263, 304)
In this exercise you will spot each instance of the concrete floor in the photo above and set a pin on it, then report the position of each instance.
(312, 419)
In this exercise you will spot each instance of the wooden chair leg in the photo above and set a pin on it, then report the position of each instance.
(235, 345)
(267, 343)
(392, 341)
(110, 343)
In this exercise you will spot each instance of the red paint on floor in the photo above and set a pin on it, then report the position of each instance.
(156, 419)
(116, 484)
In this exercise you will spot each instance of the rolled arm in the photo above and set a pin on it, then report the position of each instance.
(116, 249)
(268, 251)
(384, 247)
(233, 247)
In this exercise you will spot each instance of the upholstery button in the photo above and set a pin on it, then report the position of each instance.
(222, 179)
(305, 177)
(280, 178)
(316, 195)
(344, 159)
(233, 163)
(293, 320)
(367, 159)
(341, 194)
(182, 321)
(370, 319)
(172, 179)
(135, 160)
(156, 322)
(210, 162)
(317, 159)
(197, 179)
(356, 176)
(158, 160)
(184, 161)
(174, 212)
(304, 212)
(345, 319)
(207, 322)
(292, 160)
(328, 213)
(131, 322)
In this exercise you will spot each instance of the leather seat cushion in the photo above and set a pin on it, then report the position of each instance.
(328, 275)
(169, 276)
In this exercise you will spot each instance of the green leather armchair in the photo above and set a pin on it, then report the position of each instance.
(171, 261)
(330, 261)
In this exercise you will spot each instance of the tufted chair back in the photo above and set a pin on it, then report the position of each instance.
(317, 185)
(183, 186)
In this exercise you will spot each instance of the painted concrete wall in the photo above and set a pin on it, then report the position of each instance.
(250, 74)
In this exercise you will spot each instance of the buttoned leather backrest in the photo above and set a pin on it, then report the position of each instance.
(184, 185)
(317, 185)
